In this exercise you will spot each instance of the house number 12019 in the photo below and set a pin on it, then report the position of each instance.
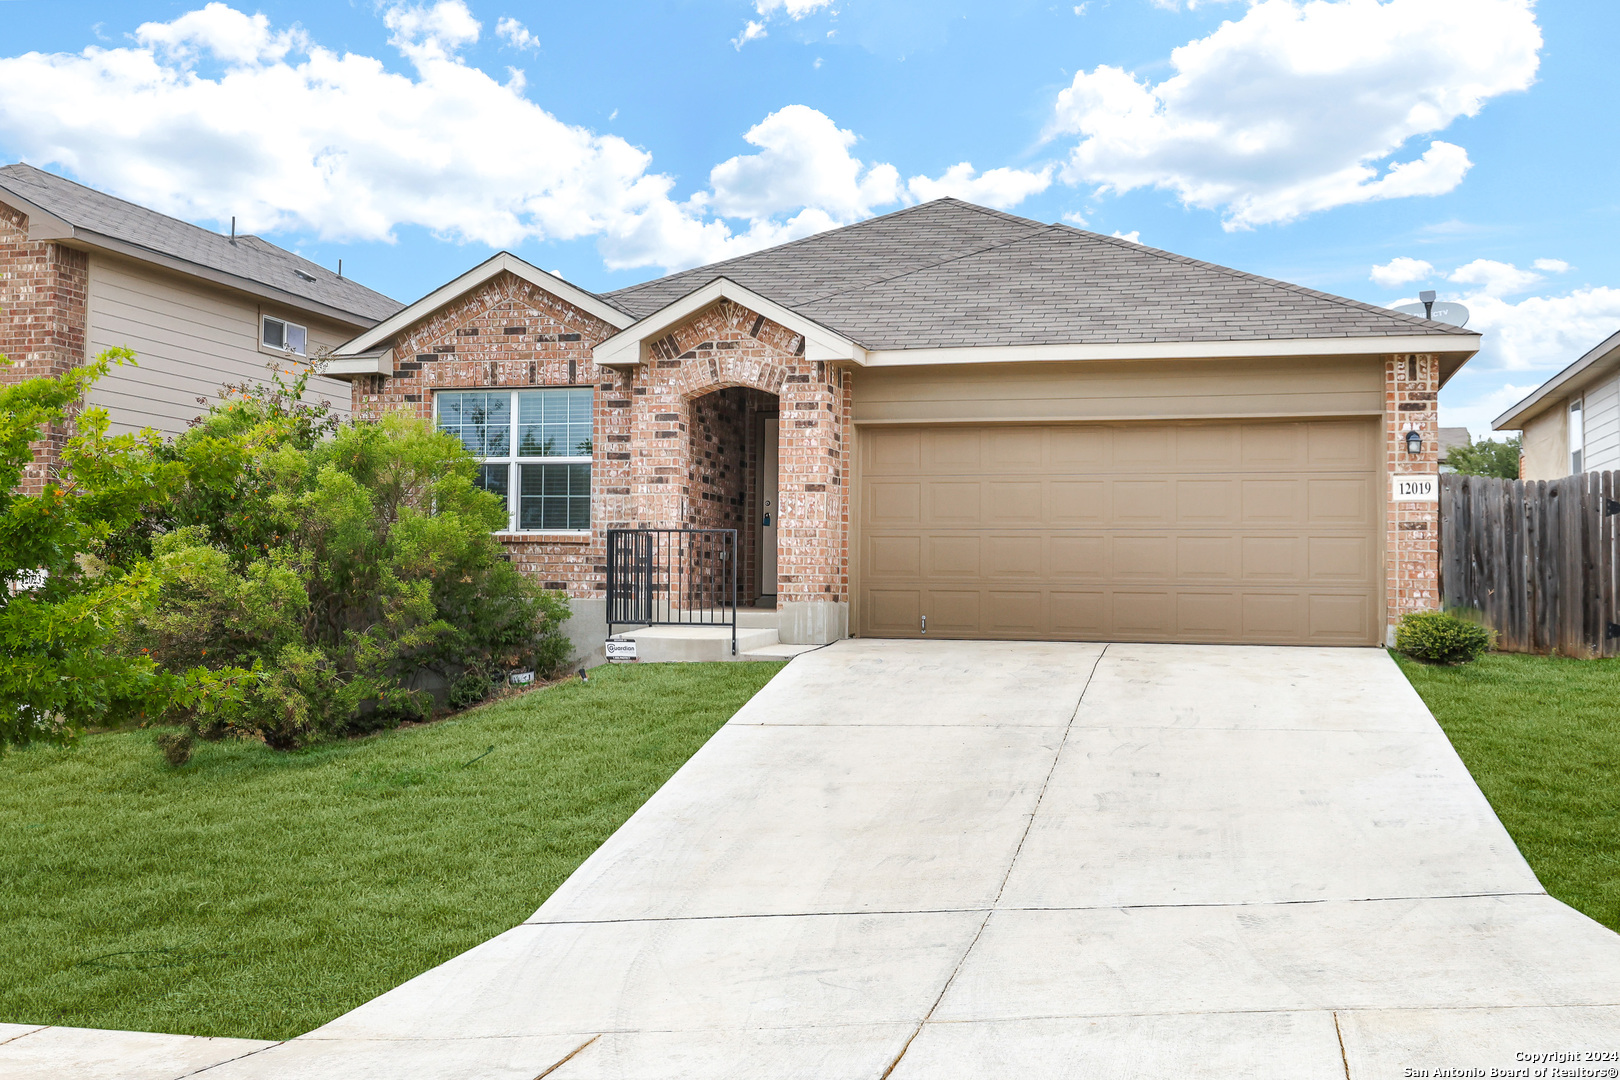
(1416, 488)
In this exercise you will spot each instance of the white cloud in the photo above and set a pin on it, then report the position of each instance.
(1541, 333)
(294, 136)
(229, 35)
(1551, 266)
(752, 32)
(1075, 218)
(1000, 188)
(1134, 236)
(1477, 413)
(1494, 278)
(516, 34)
(1298, 105)
(1399, 271)
(794, 9)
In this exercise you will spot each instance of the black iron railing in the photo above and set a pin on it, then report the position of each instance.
(672, 577)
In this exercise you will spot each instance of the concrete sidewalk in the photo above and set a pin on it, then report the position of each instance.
(928, 860)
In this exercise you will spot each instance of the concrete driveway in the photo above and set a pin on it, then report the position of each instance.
(926, 860)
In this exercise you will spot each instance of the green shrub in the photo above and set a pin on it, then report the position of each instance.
(338, 562)
(1439, 638)
(176, 745)
(470, 687)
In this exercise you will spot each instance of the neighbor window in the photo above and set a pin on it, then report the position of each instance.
(284, 335)
(1577, 437)
(534, 451)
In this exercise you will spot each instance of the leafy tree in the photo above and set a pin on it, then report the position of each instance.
(344, 560)
(65, 591)
(1487, 458)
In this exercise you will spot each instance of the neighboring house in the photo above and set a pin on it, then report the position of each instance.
(1450, 439)
(997, 427)
(81, 271)
(1571, 422)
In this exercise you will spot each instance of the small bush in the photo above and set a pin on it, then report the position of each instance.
(1439, 638)
(469, 689)
(176, 745)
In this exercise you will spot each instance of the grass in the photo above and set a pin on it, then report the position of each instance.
(1541, 734)
(259, 894)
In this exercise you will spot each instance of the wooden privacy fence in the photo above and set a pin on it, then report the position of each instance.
(1535, 558)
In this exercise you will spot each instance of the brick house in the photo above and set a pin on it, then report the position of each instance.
(952, 422)
(81, 271)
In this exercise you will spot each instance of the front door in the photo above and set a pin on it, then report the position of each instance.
(768, 510)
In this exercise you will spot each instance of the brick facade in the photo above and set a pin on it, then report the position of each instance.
(675, 439)
(44, 290)
(1412, 556)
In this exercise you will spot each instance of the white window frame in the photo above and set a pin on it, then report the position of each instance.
(1577, 436)
(286, 326)
(515, 461)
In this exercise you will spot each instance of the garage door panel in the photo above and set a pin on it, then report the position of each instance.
(953, 612)
(1273, 503)
(1140, 612)
(1078, 558)
(1079, 615)
(1205, 616)
(1077, 502)
(1020, 614)
(1273, 559)
(953, 557)
(1142, 557)
(1339, 502)
(1207, 502)
(891, 450)
(892, 557)
(893, 503)
(893, 612)
(954, 503)
(1142, 502)
(1208, 559)
(1238, 531)
(1016, 502)
(1207, 448)
(1016, 558)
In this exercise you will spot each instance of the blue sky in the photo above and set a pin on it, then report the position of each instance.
(1369, 148)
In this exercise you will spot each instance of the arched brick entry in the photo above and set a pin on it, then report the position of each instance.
(725, 347)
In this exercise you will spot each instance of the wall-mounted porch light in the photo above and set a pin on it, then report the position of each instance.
(1414, 442)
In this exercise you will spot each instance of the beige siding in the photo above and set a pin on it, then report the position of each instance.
(189, 339)
(1546, 444)
(1145, 390)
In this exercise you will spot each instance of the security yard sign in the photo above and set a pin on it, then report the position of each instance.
(621, 650)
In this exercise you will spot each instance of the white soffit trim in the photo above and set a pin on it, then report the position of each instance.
(347, 367)
(629, 347)
(1514, 419)
(469, 281)
(1466, 344)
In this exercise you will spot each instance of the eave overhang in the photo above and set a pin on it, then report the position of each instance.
(1600, 360)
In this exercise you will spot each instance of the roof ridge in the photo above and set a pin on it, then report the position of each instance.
(1286, 286)
(818, 236)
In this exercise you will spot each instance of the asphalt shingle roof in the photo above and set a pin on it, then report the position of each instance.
(250, 257)
(950, 274)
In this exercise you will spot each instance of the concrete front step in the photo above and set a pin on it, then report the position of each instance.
(696, 644)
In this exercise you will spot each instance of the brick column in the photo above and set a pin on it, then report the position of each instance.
(44, 290)
(1412, 542)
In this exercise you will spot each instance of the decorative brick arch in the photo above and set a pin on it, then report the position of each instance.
(725, 346)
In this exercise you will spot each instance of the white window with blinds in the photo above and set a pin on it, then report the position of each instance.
(534, 449)
(1577, 437)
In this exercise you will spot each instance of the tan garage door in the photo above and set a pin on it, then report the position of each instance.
(1236, 531)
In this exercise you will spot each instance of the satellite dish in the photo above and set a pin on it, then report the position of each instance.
(1447, 311)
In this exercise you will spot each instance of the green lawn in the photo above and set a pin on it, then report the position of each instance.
(1541, 735)
(259, 894)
